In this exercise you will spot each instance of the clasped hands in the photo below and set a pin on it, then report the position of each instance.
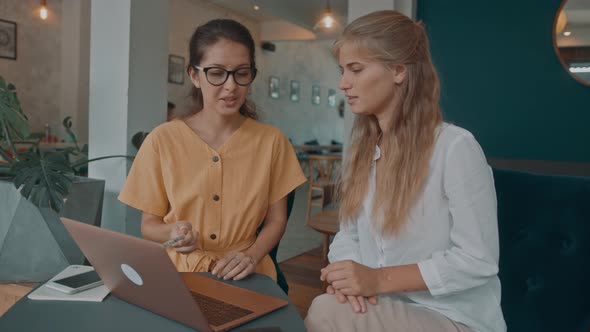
(352, 282)
(234, 265)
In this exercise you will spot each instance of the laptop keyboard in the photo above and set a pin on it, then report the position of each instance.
(218, 312)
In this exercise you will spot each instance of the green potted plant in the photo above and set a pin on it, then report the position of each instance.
(36, 188)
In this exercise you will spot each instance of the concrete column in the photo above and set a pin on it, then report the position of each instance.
(358, 8)
(75, 64)
(128, 68)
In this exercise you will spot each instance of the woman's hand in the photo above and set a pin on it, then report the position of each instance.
(358, 303)
(235, 265)
(190, 242)
(351, 278)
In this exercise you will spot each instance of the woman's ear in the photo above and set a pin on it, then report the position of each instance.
(194, 75)
(399, 73)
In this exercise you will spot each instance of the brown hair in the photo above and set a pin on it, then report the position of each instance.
(207, 35)
(392, 38)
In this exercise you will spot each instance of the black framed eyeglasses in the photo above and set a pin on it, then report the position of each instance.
(218, 76)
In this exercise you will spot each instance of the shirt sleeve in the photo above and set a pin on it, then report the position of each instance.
(144, 188)
(345, 245)
(473, 256)
(285, 173)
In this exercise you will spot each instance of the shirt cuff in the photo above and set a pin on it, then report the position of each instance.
(432, 277)
(350, 256)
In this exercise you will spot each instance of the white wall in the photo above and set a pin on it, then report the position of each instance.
(309, 62)
(36, 73)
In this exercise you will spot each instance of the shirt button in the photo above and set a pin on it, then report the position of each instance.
(213, 236)
(216, 197)
(215, 159)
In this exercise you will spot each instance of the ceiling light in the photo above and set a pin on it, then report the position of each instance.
(580, 69)
(327, 20)
(567, 33)
(256, 7)
(43, 10)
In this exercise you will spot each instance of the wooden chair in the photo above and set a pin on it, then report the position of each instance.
(325, 222)
(322, 187)
(322, 182)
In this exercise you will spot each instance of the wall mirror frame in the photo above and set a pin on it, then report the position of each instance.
(571, 38)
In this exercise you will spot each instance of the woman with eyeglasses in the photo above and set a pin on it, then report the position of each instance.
(206, 181)
(417, 249)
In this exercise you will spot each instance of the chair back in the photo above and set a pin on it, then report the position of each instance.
(544, 232)
(323, 174)
(313, 142)
(323, 168)
(281, 280)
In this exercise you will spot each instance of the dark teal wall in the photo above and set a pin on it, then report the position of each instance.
(502, 80)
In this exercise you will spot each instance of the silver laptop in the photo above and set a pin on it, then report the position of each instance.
(140, 272)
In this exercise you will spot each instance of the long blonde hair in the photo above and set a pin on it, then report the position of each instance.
(392, 38)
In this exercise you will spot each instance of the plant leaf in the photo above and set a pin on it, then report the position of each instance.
(45, 180)
(11, 111)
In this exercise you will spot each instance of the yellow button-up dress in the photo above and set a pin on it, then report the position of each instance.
(223, 193)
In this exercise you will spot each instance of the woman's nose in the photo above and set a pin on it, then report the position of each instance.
(344, 84)
(230, 83)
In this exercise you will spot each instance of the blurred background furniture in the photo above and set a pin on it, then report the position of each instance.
(323, 177)
(318, 149)
(327, 223)
(322, 180)
(313, 148)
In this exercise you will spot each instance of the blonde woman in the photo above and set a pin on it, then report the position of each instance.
(418, 245)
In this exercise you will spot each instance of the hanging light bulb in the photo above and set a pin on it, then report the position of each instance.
(43, 10)
(327, 20)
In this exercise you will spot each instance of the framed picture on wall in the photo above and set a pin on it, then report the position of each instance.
(273, 87)
(7, 39)
(294, 91)
(175, 69)
(332, 98)
(315, 94)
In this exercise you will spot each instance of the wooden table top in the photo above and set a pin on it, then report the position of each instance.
(328, 157)
(325, 222)
(307, 148)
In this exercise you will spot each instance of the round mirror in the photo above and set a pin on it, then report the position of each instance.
(571, 32)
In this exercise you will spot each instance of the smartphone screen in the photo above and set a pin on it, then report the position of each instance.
(79, 280)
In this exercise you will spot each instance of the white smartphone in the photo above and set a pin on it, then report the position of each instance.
(76, 283)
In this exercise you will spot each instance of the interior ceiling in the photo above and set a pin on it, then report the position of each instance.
(577, 24)
(304, 13)
(578, 11)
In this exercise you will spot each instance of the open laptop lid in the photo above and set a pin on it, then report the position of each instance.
(139, 272)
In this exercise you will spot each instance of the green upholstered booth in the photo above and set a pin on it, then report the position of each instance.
(544, 228)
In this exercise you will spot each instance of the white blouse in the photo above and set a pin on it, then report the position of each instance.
(452, 234)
